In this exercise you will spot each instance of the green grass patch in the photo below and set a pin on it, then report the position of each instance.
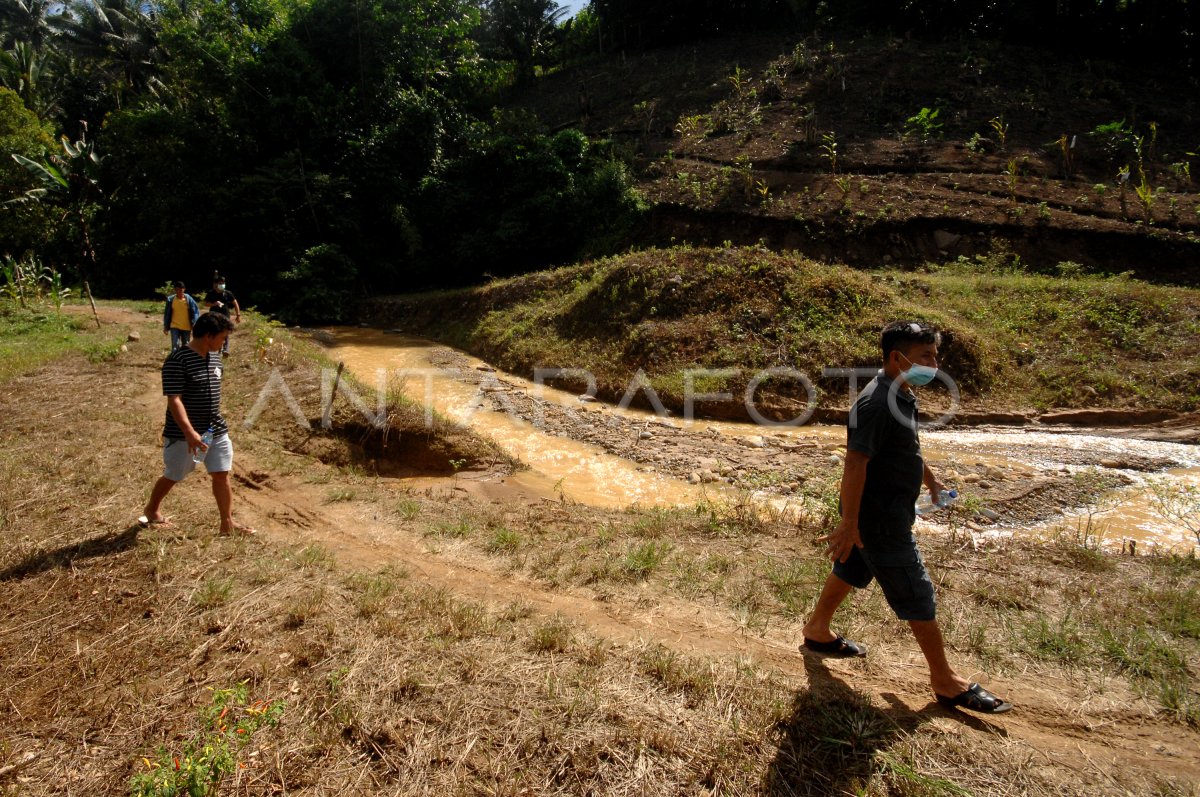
(642, 559)
(213, 592)
(30, 338)
(452, 529)
(503, 540)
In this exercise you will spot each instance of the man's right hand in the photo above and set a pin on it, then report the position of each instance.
(194, 443)
(842, 540)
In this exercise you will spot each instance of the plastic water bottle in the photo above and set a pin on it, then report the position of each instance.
(205, 441)
(945, 498)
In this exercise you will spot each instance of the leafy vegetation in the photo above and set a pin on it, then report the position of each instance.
(196, 770)
(316, 152)
(290, 143)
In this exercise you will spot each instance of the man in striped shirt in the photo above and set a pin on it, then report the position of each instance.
(191, 378)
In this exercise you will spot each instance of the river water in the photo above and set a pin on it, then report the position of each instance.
(560, 466)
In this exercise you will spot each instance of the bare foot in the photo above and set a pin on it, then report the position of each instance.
(230, 529)
(158, 521)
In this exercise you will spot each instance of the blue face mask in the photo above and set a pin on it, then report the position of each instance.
(918, 375)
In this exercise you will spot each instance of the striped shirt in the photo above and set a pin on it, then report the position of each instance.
(198, 380)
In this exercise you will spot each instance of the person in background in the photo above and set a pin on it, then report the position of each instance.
(881, 481)
(191, 381)
(179, 315)
(220, 300)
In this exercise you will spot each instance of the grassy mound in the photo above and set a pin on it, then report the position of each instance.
(1014, 339)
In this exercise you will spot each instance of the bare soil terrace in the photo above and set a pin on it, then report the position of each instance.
(820, 146)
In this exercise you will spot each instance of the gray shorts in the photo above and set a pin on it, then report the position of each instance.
(901, 576)
(177, 460)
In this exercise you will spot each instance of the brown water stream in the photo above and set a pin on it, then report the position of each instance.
(563, 467)
(557, 465)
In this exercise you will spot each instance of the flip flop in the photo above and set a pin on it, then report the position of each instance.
(976, 698)
(146, 522)
(840, 647)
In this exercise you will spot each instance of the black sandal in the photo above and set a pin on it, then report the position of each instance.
(976, 698)
(840, 647)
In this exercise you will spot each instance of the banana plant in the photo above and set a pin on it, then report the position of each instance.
(70, 181)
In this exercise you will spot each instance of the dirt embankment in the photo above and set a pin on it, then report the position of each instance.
(896, 152)
(1016, 345)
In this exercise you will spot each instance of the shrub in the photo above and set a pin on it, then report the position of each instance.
(319, 288)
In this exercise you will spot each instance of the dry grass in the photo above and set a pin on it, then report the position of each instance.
(395, 683)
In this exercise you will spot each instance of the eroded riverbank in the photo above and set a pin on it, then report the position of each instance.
(1012, 480)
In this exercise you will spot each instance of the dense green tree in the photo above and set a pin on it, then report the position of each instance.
(1162, 29)
(520, 201)
(69, 183)
(24, 226)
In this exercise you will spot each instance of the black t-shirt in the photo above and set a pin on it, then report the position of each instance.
(198, 380)
(226, 299)
(883, 425)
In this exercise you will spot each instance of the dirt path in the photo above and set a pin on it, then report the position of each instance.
(1061, 724)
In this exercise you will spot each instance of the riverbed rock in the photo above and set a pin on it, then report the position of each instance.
(134, 337)
(693, 478)
(586, 399)
(990, 514)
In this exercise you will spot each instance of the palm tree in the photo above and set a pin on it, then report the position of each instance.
(121, 37)
(30, 73)
(29, 21)
(525, 30)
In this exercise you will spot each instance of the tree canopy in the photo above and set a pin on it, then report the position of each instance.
(315, 149)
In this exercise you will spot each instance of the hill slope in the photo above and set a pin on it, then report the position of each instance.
(824, 147)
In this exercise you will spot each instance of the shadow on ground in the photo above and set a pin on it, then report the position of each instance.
(65, 556)
(834, 739)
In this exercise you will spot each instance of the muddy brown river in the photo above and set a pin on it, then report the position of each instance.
(574, 459)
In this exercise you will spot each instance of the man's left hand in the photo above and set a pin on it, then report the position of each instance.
(935, 488)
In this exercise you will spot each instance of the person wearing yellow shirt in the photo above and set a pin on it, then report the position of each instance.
(179, 316)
